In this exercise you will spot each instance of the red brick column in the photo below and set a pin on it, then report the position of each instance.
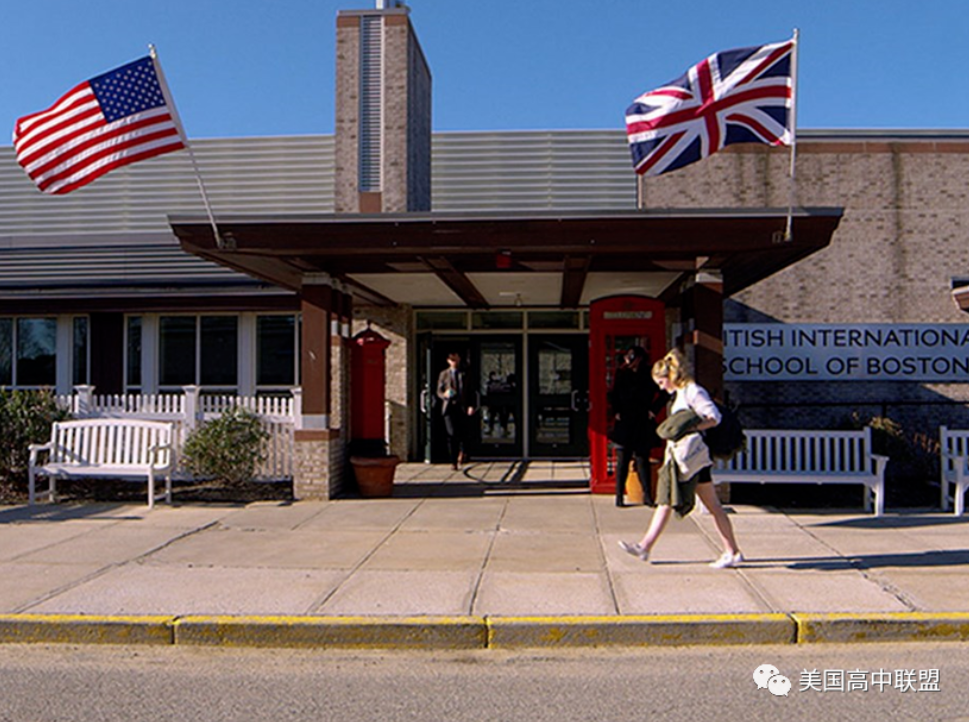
(317, 472)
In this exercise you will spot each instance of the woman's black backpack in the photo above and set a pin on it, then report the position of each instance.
(727, 438)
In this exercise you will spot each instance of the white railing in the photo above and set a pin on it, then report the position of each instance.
(280, 417)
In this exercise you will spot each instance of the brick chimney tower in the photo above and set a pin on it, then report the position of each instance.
(383, 113)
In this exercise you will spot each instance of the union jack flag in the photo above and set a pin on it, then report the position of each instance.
(735, 96)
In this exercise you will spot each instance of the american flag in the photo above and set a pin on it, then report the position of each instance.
(115, 119)
(736, 96)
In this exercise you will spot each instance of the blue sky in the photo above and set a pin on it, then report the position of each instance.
(265, 67)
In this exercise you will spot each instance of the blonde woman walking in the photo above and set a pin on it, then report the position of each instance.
(674, 492)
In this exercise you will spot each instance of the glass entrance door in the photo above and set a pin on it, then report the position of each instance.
(558, 395)
(495, 368)
(553, 419)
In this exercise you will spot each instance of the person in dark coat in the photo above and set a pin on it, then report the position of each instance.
(636, 400)
(453, 392)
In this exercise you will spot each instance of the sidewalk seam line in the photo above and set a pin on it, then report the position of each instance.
(855, 565)
(26, 606)
(610, 581)
(315, 606)
(484, 565)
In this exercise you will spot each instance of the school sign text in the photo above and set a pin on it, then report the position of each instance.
(846, 352)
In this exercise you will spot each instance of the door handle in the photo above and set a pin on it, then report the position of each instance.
(424, 396)
(574, 400)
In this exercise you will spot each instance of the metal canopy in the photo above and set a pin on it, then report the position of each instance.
(488, 260)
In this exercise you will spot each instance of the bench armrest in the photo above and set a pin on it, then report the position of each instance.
(35, 450)
(154, 451)
(881, 461)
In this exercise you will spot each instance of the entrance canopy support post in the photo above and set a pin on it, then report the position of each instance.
(703, 314)
(340, 357)
(316, 303)
(703, 321)
(317, 472)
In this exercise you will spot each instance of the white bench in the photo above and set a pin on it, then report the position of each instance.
(803, 457)
(130, 449)
(954, 451)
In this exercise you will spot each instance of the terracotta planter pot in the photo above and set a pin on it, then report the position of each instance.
(375, 475)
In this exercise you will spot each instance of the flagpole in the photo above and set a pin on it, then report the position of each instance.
(219, 243)
(788, 232)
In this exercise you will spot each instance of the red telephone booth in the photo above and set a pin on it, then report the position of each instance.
(367, 377)
(616, 323)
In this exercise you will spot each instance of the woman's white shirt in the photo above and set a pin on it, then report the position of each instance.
(693, 396)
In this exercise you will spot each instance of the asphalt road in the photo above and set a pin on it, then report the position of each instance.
(907, 681)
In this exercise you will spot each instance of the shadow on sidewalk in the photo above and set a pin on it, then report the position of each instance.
(904, 520)
(472, 482)
(912, 560)
(45, 512)
(459, 489)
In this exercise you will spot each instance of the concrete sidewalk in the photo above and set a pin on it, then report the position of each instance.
(512, 551)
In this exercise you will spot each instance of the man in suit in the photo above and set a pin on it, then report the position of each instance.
(454, 395)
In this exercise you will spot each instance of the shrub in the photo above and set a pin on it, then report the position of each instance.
(25, 418)
(913, 464)
(228, 449)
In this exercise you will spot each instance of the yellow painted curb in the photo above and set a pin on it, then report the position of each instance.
(85, 629)
(337, 632)
(637, 631)
(885, 627)
(472, 632)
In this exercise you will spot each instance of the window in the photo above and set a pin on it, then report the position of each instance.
(133, 358)
(79, 357)
(176, 350)
(6, 352)
(29, 347)
(36, 344)
(276, 345)
(442, 320)
(493, 320)
(242, 353)
(553, 319)
(197, 350)
(219, 341)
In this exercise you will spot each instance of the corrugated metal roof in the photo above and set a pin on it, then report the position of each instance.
(110, 266)
(529, 170)
(116, 232)
(266, 175)
(532, 170)
(116, 229)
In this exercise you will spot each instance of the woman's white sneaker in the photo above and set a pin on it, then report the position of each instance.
(727, 561)
(635, 550)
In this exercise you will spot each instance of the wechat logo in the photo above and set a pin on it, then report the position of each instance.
(768, 676)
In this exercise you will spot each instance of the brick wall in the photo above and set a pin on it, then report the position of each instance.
(901, 240)
(319, 468)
